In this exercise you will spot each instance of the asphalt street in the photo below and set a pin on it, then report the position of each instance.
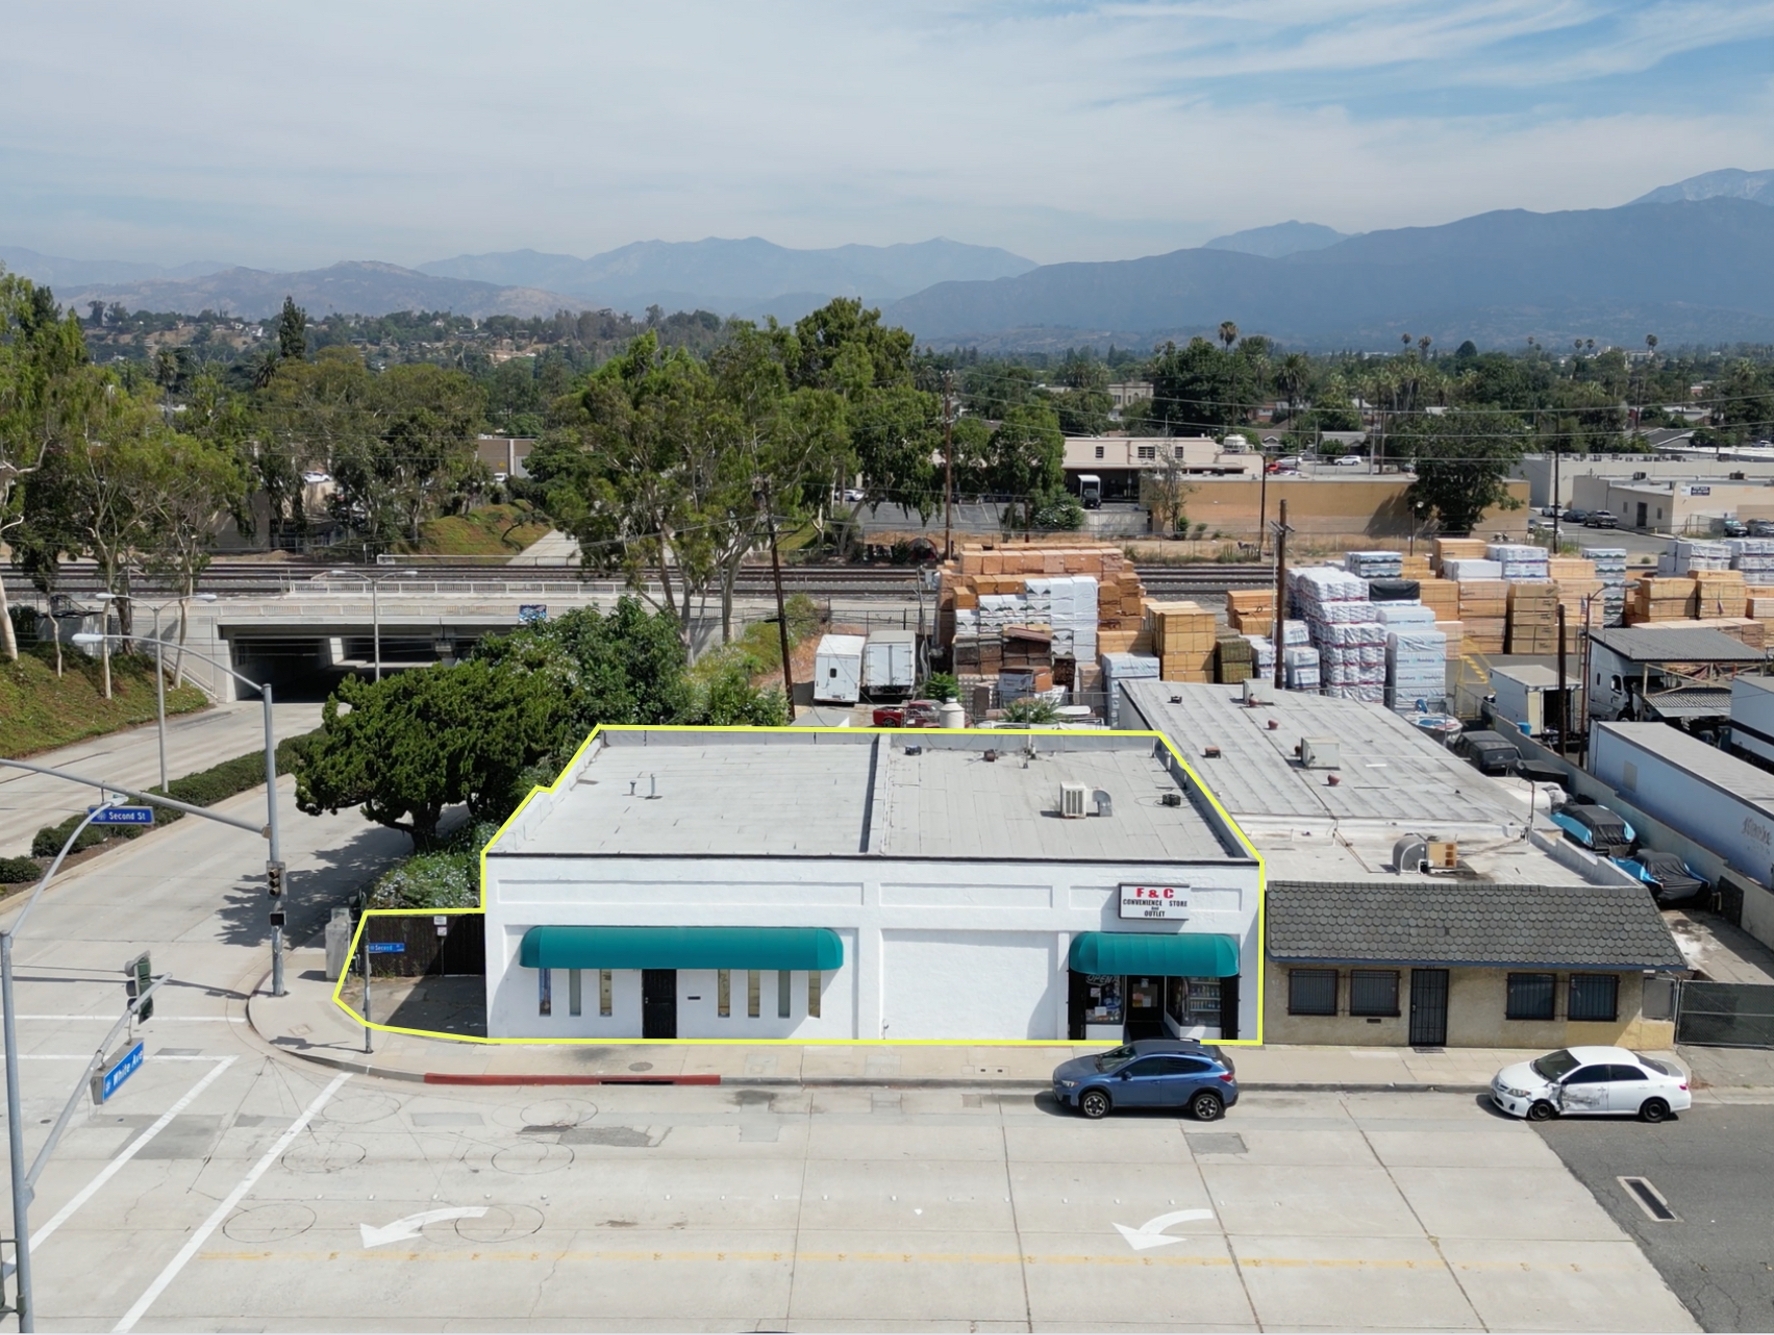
(1715, 1168)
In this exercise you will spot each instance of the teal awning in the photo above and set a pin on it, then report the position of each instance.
(1199, 955)
(783, 948)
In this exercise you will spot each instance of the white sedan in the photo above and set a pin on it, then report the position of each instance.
(1591, 1082)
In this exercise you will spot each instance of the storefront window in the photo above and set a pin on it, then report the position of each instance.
(1311, 991)
(1373, 992)
(784, 982)
(573, 992)
(753, 989)
(605, 1002)
(814, 978)
(545, 991)
(1103, 999)
(724, 993)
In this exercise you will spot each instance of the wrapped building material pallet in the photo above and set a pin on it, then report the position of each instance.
(1374, 565)
(1300, 670)
(1117, 668)
(1233, 659)
(1404, 614)
(1518, 560)
(1687, 556)
(1447, 549)
(1416, 669)
(1470, 568)
(1610, 569)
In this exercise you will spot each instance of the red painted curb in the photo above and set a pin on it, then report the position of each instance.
(446, 1078)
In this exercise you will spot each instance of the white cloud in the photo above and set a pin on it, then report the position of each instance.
(327, 131)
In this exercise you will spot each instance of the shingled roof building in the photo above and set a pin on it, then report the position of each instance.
(1410, 899)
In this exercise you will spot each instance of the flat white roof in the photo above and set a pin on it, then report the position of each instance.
(800, 793)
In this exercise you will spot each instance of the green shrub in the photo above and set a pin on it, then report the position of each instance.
(19, 871)
(427, 881)
(941, 686)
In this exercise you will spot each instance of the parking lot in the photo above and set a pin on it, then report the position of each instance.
(226, 1189)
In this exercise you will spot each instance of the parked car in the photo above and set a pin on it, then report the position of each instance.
(1761, 528)
(1549, 511)
(1150, 1073)
(1671, 880)
(1591, 1082)
(911, 714)
(1734, 528)
(1491, 752)
(1350, 461)
(1594, 827)
(1601, 519)
(1575, 515)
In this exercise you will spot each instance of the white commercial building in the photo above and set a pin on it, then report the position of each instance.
(800, 884)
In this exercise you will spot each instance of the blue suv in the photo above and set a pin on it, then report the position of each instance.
(1149, 1073)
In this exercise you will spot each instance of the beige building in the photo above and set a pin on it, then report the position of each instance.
(1684, 505)
(1518, 939)
(1329, 503)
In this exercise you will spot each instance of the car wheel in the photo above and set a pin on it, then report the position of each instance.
(1542, 1111)
(1653, 1110)
(1094, 1104)
(1207, 1107)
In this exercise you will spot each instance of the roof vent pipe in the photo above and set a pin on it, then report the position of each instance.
(652, 786)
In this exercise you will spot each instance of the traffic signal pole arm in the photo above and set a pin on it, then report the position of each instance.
(261, 830)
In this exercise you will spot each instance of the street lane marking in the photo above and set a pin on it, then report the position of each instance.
(223, 1210)
(402, 1229)
(554, 1256)
(1151, 1233)
(134, 1147)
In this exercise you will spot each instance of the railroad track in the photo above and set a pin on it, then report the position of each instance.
(274, 578)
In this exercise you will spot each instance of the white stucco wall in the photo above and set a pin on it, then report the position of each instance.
(932, 949)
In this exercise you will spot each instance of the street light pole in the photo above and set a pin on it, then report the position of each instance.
(375, 605)
(273, 868)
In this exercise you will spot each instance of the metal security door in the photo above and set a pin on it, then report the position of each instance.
(659, 1003)
(1429, 1008)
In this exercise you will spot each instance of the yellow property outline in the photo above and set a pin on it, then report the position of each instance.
(571, 767)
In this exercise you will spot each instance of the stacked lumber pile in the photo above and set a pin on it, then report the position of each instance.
(1183, 637)
(1086, 595)
(1753, 633)
(1251, 611)
(1661, 598)
(1442, 596)
(1455, 549)
(1484, 615)
(1533, 617)
(1417, 568)
(1720, 593)
(1760, 600)
(1235, 659)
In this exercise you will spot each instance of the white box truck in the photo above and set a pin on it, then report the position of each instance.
(837, 670)
(1752, 717)
(889, 664)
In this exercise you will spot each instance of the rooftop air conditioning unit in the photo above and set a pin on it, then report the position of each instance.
(1072, 797)
(1319, 753)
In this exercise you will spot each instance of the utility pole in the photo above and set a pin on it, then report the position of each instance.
(1262, 499)
(1280, 627)
(761, 489)
(1557, 500)
(948, 466)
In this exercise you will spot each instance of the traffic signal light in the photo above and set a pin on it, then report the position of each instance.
(137, 975)
(274, 878)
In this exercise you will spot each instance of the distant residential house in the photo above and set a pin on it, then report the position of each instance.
(1126, 393)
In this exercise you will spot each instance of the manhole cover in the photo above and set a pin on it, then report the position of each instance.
(640, 1066)
(361, 1108)
(270, 1223)
(501, 1223)
(533, 1156)
(315, 1156)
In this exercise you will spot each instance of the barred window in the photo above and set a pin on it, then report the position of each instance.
(1373, 992)
(1531, 996)
(1595, 996)
(1311, 991)
(814, 981)
(724, 993)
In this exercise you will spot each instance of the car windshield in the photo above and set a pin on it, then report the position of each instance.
(1116, 1057)
(1555, 1065)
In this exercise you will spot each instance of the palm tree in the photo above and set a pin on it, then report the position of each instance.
(1651, 344)
(1228, 333)
(1423, 343)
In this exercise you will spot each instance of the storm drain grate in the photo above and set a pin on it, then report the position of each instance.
(1649, 1199)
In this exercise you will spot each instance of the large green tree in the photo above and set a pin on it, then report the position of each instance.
(1463, 459)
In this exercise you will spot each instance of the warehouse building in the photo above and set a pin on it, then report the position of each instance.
(1411, 899)
(854, 884)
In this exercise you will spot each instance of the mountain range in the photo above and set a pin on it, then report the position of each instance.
(1692, 262)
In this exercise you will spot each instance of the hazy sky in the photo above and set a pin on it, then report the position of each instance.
(302, 134)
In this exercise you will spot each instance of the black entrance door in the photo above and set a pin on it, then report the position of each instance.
(1145, 1008)
(659, 1003)
(1429, 1008)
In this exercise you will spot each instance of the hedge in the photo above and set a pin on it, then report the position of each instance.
(202, 789)
(19, 871)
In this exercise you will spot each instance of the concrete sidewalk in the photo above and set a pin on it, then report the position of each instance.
(307, 1024)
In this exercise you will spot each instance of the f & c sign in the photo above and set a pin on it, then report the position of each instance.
(1154, 901)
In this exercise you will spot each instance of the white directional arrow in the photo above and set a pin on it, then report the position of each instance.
(401, 1229)
(1151, 1233)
